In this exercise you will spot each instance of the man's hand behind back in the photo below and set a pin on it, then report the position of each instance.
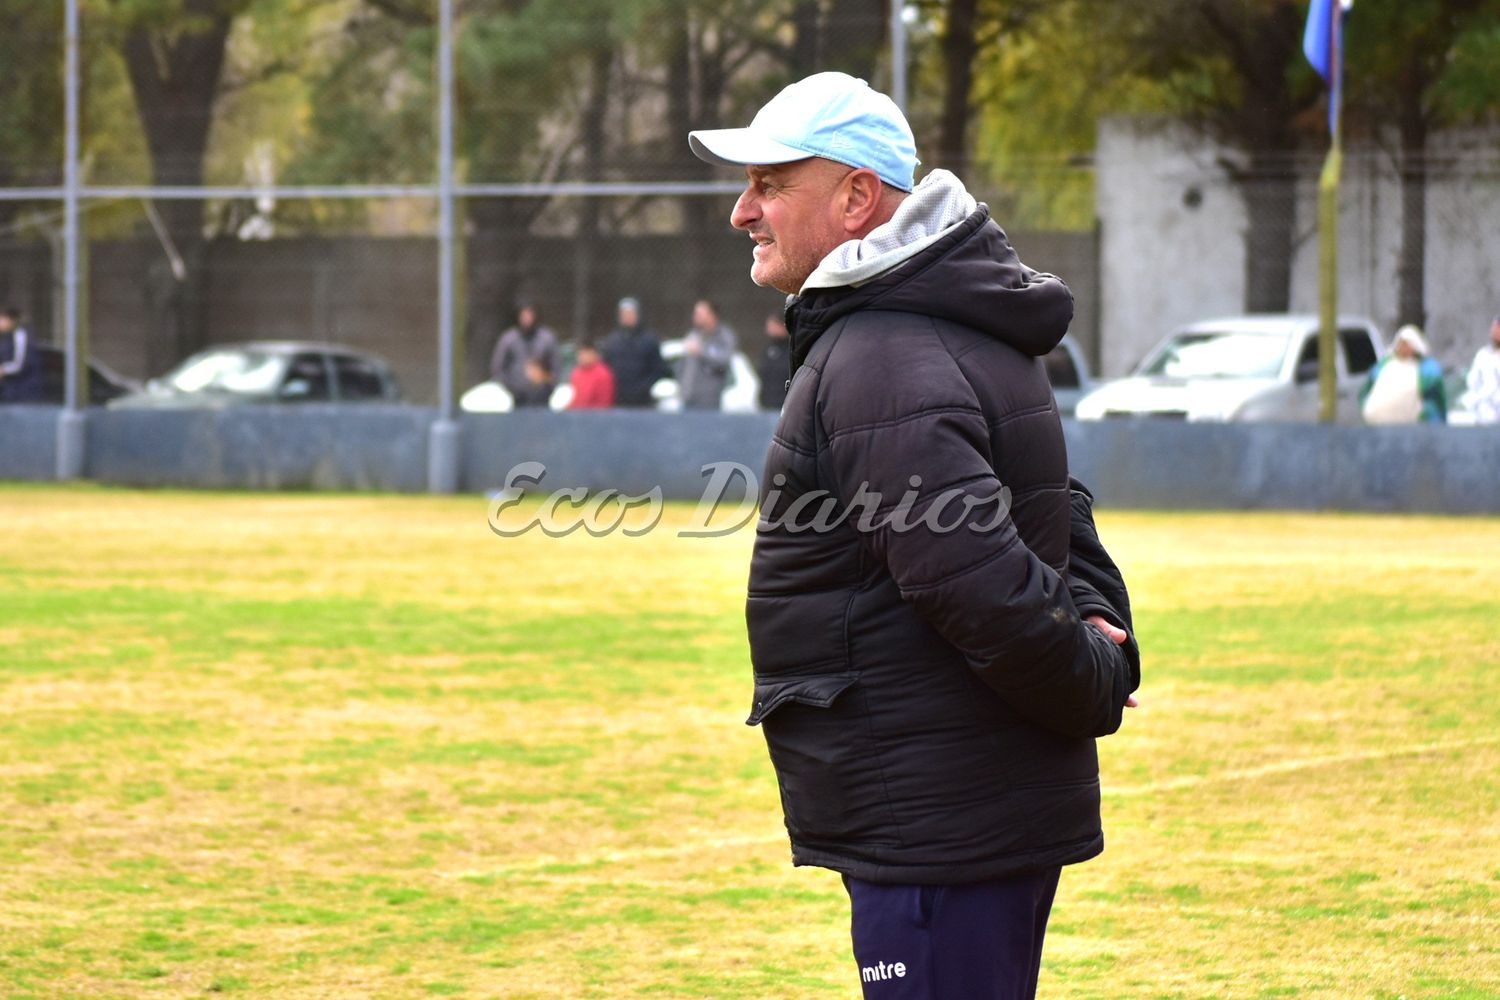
(1116, 636)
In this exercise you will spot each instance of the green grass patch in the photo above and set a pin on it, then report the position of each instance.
(309, 745)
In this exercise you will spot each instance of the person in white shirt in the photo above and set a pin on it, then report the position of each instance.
(1482, 395)
(1406, 386)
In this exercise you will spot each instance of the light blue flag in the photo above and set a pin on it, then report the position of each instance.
(1318, 39)
(1323, 44)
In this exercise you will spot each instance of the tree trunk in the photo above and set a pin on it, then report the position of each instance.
(1412, 272)
(693, 103)
(959, 50)
(586, 243)
(175, 78)
(853, 37)
(494, 278)
(807, 42)
(1261, 41)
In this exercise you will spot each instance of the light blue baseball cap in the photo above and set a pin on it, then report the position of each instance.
(832, 115)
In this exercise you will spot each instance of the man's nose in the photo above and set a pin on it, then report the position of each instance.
(746, 211)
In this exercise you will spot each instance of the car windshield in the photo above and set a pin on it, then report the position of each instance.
(1219, 354)
(242, 372)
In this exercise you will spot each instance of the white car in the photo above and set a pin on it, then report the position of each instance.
(1256, 367)
(741, 391)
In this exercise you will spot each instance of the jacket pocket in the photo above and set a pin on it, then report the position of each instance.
(819, 691)
(817, 731)
(797, 635)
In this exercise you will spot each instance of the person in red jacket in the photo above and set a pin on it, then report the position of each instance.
(593, 382)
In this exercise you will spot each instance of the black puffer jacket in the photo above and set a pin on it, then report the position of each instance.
(930, 697)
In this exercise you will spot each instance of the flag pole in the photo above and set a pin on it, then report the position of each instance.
(1328, 230)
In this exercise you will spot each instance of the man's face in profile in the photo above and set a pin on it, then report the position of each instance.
(788, 210)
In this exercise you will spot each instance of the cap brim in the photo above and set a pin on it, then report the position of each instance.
(734, 147)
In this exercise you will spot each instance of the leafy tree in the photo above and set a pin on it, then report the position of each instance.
(1234, 71)
(1040, 94)
(1420, 64)
(846, 35)
(174, 56)
(31, 61)
(971, 30)
(30, 121)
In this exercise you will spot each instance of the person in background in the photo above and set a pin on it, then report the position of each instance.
(707, 351)
(775, 367)
(633, 355)
(593, 382)
(20, 365)
(1406, 386)
(525, 359)
(1482, 391)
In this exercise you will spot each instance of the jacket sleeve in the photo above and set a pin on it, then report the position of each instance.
(1364, 390)
(18, 361)
(1433, 388)
(1095, 582)
(549, 355)
(500, 358)
(718, 350)
(921, 493)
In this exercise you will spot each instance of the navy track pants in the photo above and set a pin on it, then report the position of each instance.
(976, 941)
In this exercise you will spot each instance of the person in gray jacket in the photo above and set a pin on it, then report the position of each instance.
(525, 360)
(708, 349)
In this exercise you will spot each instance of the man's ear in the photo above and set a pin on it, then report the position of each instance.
(862, 195)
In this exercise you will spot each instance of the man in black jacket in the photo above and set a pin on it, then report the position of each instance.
(633, 355)
(772, 367)
(934, 658)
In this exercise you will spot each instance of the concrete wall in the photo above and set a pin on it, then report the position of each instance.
(28, 442)
(628, 450)
(1164, 464)
(1173, 251)
(1144, 464)
(313, 447)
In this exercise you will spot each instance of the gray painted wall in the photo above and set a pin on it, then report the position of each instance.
(1143, 464)
(1172, 248)
(28, 442)
(1166, 464)
(273, 448)
(628, 450)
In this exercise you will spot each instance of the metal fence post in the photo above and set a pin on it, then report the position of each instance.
(444, 445)
(898, 53)
(71, 437)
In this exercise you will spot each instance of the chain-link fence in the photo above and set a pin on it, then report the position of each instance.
(270, 169)
(265, 170)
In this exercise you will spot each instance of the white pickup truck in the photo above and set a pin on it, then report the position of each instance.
(1254, 367)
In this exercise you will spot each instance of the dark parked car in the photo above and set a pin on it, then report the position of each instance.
(273, 372)
(1068, 372)
(104, 385)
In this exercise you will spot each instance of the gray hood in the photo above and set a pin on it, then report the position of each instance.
(934, 208)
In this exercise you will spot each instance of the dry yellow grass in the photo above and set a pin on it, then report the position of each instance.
(324, 746)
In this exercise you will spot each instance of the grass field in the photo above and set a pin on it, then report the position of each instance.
(315, 746)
